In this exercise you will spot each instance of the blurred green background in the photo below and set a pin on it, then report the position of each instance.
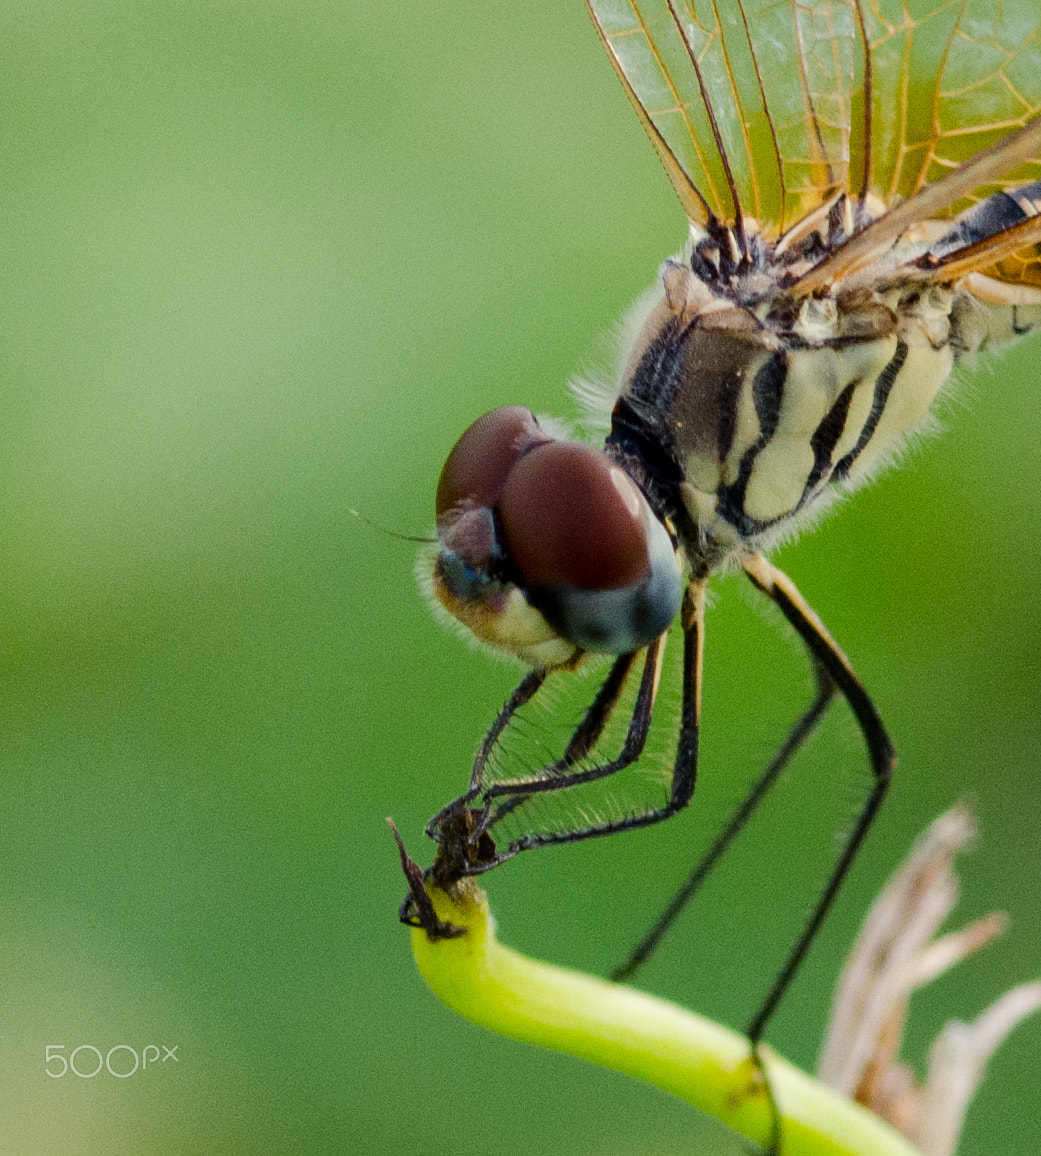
(262, 262)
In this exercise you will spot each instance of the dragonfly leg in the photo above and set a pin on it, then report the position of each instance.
(589, 731)
(459, 830)
(464, 848)
(882, 756)
(560, 775)
(685, 766)
(524, 693)
(802, 729)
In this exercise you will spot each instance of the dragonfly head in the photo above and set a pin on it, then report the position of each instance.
(547, 548)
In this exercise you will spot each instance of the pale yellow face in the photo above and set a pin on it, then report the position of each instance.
(511, 625)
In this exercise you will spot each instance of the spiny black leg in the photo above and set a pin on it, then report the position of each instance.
(802, 729)
(557, 776)
(685, 766)
(587, 733)
(524, 693)
(530, 685)
(453, 824)
(778, 587)
(781, 590)
(461, 831)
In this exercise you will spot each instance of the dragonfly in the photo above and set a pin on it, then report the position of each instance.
(862, 181)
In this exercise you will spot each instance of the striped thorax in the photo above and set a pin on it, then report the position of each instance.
(770, 405)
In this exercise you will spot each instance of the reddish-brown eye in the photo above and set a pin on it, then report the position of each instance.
(570, 515)
(536, 533)
(483, 457)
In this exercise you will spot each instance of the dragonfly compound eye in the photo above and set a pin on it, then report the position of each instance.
(589, 553)
(481, 459)
(472, 578)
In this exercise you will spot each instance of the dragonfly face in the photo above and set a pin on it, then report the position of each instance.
(863, 184)
(548, 548)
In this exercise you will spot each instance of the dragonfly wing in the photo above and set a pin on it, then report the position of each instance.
(749, 104)
(767, 108)
(1010, 153)
(1023, 267)
(955, 95)
(949, 80)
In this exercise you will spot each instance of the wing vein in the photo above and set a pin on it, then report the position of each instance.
(717, 136)
(693, 200)
(869, 105)
(775, 141)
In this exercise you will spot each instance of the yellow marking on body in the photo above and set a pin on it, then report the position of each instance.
(746, 430)
(778, 480)
(783, 466)
(701, 505)
(912, 394)
(861, 363)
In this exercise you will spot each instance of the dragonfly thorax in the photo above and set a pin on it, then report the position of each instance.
(744, 410)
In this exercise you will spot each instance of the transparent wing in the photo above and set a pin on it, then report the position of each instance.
(749, 105)
(757, 107)
(1009, 154)
(949, 79)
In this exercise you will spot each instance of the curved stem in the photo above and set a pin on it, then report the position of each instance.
(702, 1062)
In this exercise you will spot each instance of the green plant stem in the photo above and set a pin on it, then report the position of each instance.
(610, 1024)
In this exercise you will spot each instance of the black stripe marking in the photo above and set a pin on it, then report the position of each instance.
(883, 386)
(639, 432)
(826, 438)
(767, 395)
(655, 376)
